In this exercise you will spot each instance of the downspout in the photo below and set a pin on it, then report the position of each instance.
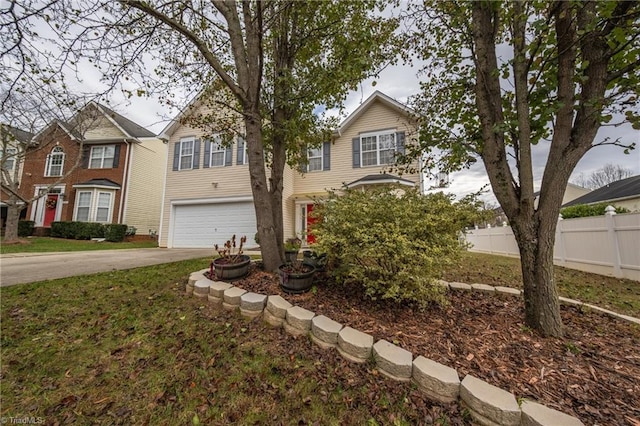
(125, 186)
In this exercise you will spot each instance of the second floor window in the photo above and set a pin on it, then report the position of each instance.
(8, 157)
(217, 153)
(186, 154)
(315, 159)
(55, 162)
(102, 157)
(377, 148)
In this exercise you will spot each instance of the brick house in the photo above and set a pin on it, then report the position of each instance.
(98, 167)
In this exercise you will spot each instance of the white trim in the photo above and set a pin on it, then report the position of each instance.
(124, 195)
(383, 181)
(377, 95)
(237, 199)
(114, 122)
(90, 185)
(47, 166)
(93, 204)
(321, 156)
(185, 139)
(103, 157)
(377, 134)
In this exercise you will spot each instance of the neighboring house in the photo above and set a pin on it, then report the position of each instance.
(11, 164)
(208, 194)
(118, 174)
(621, 193)
(571, 192)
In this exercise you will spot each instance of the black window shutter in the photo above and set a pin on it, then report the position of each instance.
(207, 154)
(116, 156)
(176, 156)
(240, 158)
(326, 154)
(86, 149)
(196, 154)
(228, 153)
(400, 143)
(303, 167)
(356, 151)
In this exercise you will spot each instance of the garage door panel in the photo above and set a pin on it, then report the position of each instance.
(203, 225)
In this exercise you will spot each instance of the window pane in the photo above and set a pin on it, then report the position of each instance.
(315, 164)
(104, 202)
(369, 158)
(386, 157)
(84, 202)
(369, 143)
(186, 155)
(386, 141)
(109, 154)
(217, 154)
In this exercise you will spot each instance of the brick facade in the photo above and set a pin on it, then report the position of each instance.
(35, 167)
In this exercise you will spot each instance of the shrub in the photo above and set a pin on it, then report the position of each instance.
(586, 210)
(25, 228)
(394, 245)
(114, 232)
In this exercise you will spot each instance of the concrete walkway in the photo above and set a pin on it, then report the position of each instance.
(20, 268)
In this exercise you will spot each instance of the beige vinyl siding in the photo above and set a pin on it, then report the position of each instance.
(144, 197)
(201, 183)
(102, 128)
(377, 117)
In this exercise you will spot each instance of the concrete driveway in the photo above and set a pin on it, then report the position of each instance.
(23, 268)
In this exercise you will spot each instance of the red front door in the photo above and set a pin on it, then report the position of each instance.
(50, 207)
(311, 220)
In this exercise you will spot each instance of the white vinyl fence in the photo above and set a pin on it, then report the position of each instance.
(606, 245)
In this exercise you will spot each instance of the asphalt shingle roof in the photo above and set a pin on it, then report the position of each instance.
(624, 188)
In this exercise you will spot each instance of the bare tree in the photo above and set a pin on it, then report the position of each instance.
(607, 174)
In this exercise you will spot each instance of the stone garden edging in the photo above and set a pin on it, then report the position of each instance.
(487, 404)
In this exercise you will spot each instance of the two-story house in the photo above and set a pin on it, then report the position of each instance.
(98, 167)
(13, 143)
(207, 190)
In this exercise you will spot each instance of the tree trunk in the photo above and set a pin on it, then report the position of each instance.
(542, 307)
(13, 216)
(262, 200)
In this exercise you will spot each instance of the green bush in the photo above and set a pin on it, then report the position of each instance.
(394, 245)
(586, 210)
(25, 228)
(77, 230)
(114, 232)
(63, 230)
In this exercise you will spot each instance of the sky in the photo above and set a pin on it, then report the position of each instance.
(401, 82)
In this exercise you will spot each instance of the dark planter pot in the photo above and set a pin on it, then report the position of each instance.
(290, 256)
(296, 282)
(231, 271)
(315, 260)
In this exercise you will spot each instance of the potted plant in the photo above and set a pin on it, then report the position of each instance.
(231, 263)
(291, 249)
(296, 277)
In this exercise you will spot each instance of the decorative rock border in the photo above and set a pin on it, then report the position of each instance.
(487, 404)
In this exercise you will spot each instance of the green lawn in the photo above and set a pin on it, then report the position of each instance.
(619, 295)
(130, 347)
(48, 245)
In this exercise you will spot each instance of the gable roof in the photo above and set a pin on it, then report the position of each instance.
(127, 126)
(618, 190)
(377, 96)
(20, 135)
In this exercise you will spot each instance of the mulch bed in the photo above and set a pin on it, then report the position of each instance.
(593, 372)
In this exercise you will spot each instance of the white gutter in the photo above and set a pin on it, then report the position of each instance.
(125, 187)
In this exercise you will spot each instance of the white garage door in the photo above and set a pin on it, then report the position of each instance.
(203, 225)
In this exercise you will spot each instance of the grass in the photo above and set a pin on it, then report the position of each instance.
(618, 295)
(48, 245)
(129, 347)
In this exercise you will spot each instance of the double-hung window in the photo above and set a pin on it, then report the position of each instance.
(8, 158)
(94, 205)
(314, 156)
(377, 148)
(55, 162)
(217, 154)
(186, 147)
(102, 157)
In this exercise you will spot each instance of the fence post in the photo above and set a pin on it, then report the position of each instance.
(560, 240)
(610, 211)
